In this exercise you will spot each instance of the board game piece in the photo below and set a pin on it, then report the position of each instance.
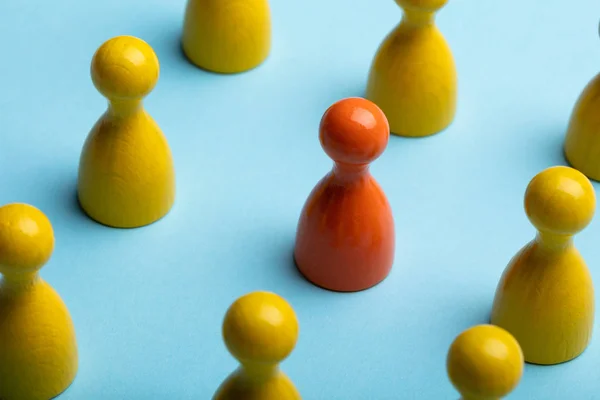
(545, 297)
(227, 36)
(126, 173)
(413, 76)
(485, 362)
(582, 142)
(260, 330)
(38, 349)
(345, 238)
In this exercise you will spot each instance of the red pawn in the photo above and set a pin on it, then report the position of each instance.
(345, 239)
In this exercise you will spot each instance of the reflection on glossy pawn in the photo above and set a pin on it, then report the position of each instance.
(38, 349)
(413, 76)
(260, 330)
(545, 297)
(227, 36)
(484, 362)
(126, 173)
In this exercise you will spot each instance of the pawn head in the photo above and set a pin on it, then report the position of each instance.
(354, 131)
(422, 5)
(260, 327)
(485, 362)
(560, 200)
(125, 67)
(26, 239)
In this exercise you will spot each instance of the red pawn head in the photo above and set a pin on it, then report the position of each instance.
(354, 131)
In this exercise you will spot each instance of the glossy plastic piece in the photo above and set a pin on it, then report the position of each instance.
(345, 239)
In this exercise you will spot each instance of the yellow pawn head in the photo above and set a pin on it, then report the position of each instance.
(560, 200)
(260, 327)
(429, 6)
(26, 239)
(485, 362)
(125, 67)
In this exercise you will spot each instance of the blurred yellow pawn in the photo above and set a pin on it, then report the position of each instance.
(582, 142)
(38, 350)
(126, 172)
(227, 36)
(545, 297)
(485, 363)
(413, 77)
(260, 330)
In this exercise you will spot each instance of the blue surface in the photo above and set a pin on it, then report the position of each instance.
(148, 303)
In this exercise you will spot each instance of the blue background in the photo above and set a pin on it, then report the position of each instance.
(148, 303)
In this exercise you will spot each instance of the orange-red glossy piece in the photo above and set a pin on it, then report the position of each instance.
(345, 239)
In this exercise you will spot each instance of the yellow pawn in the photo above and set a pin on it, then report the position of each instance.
(545, 297)
(485, 363)
(227, 36)
(260, 330)
(582, 142)
(413, 76)
(38, 349)
(126, 172)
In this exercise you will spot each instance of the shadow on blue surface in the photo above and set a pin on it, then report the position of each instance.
(62, 204)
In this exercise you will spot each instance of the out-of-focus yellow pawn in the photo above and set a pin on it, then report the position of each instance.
(582, 142)
(126, 172)
(413, 76)
(485, 362)
(260, 330)
(38, 349)
(227, 36)
(545, 297)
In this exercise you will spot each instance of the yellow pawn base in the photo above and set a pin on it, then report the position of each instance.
(243, 385)
(582, 143)
(227, 36)
(127, 183)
